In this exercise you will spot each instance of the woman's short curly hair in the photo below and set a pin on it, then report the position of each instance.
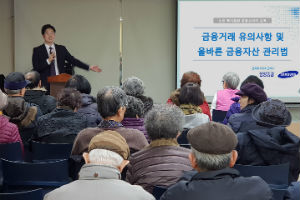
(133, 86)
(134, 108)
(190, 77)
(69, 97)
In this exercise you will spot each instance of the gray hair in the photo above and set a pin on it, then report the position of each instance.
(211, 161)
(11, 92)
(133, 86)
(232, 80)
(109, 100)
(135, 107)
(164, 121)
(105, 157)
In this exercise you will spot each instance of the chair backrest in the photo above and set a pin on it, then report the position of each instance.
(188, 146)
(158, 191)
(34, 175)
(278, 194)
(11, 151)
(47, 151)
(182, 138)
(218, 115)
(36, 194)
(272, 174)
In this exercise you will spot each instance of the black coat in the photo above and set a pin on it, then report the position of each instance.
(40, 55)
(225, 184)
(46, 103)
(269, 146)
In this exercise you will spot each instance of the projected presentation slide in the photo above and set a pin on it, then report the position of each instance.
(247, 37)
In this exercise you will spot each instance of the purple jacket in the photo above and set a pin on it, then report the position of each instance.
(135, 123)
(234, 108)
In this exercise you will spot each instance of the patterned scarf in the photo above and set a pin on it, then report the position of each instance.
(189, 109)
(109, 124)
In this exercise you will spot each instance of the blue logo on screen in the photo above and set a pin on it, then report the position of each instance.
(288, 74)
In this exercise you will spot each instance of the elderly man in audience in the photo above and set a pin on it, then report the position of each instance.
(251, 95)
(212, 157)
(88, 102)
(133, 117)
(273, 144)
(100, 177)
(112, 102)
(64, 123)
(163, 162)
(135, 87)
(35, 93)
(9, 132)
(21, 113)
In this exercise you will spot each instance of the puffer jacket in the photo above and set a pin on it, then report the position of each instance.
(135, 123)
(162, 163)
(89, 109)
(234, 108)
(270, 146)
(9, 132)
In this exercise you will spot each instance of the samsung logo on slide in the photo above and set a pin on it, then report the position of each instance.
(288, 74)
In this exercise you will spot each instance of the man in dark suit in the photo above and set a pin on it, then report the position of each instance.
(49, 58)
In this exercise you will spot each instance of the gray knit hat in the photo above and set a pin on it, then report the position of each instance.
(3, 100)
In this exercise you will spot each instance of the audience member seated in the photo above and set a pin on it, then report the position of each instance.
(251, 95)
(223, 98)
(100, 177)
(88, 102)
(213, 157)
(9, 132)
(36, 94)
(163, 162)
(273, 144)
(135, 87)
(21, 113)
(194, 78)
(235, 107)
(64, 123)
(133, 117)
(112, 102)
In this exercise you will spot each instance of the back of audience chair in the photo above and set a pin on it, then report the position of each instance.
(36, 194)
(182, 138)
(218, 115)
(158, 191)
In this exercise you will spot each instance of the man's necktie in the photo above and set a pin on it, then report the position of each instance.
(52, 64)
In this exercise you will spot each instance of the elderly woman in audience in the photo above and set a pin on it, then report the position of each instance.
(190, 99)
(223, 98)
(235, 107)
(163, 161)
(135, 87)
(88, 102)
(9, 132)
(272, 144)
(194, 78)
(64, 123)
(251, 95)
(133, 117)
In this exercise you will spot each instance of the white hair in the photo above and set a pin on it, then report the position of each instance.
(105, 157)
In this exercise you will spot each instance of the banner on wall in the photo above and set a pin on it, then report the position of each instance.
(247, 37)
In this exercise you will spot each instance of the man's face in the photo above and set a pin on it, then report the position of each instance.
(49, 36)
(243, 101)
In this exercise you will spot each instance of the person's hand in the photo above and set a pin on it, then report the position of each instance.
(95, 68)
(51, 57)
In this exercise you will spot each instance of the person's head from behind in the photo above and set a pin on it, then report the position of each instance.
(164, 122)
(213, 147)
(35, 79)
(230, 80)
(2, 78)
(190, 77)
(3, 100)
(69, 98)
(15, 83)
(253, 79)
(135, 108)
(112, 102)
(108, 148)
(191, 93)
(48, 32)
(79, 83)
(251, 94)
(133, 86)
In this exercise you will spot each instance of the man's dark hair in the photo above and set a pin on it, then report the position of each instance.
(34, 77)
(191, 93)
(2, 78)
(79, 83)
(109, 100)
(45, 27)
(253, 79)
(69, 97)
